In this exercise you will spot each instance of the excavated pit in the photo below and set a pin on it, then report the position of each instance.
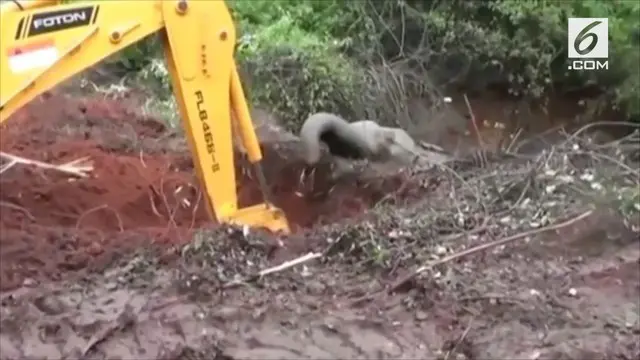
(142, 190)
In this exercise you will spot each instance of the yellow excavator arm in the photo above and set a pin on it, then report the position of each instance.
(44, 42)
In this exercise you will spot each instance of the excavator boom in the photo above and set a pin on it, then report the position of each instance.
(44, 43)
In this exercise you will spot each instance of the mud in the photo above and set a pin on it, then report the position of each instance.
(126, 286)
(529, 302)
(143, 189)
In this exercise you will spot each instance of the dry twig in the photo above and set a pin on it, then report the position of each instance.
(124, 321)
(460, 340)
(573, 136)
(474, 121)
(289, 264)
(78, 167)
(98, 208)
(26, 212)
(483, 247)
(275, 269)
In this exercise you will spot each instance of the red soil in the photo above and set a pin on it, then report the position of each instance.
(51, 223)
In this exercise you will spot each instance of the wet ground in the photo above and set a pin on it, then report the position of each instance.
(115, 265)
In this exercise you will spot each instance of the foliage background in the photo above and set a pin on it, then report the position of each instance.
(364, 59)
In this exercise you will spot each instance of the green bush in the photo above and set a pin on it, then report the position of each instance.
(295, 73)
(520, 45)
(331, 20)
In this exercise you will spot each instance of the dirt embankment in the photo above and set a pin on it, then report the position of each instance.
(142, 190)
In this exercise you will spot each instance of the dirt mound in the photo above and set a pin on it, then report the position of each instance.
(142, 190)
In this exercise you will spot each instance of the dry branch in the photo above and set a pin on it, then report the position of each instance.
(275, 269)
(398, 284)
(474, 121)
(78, 167)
